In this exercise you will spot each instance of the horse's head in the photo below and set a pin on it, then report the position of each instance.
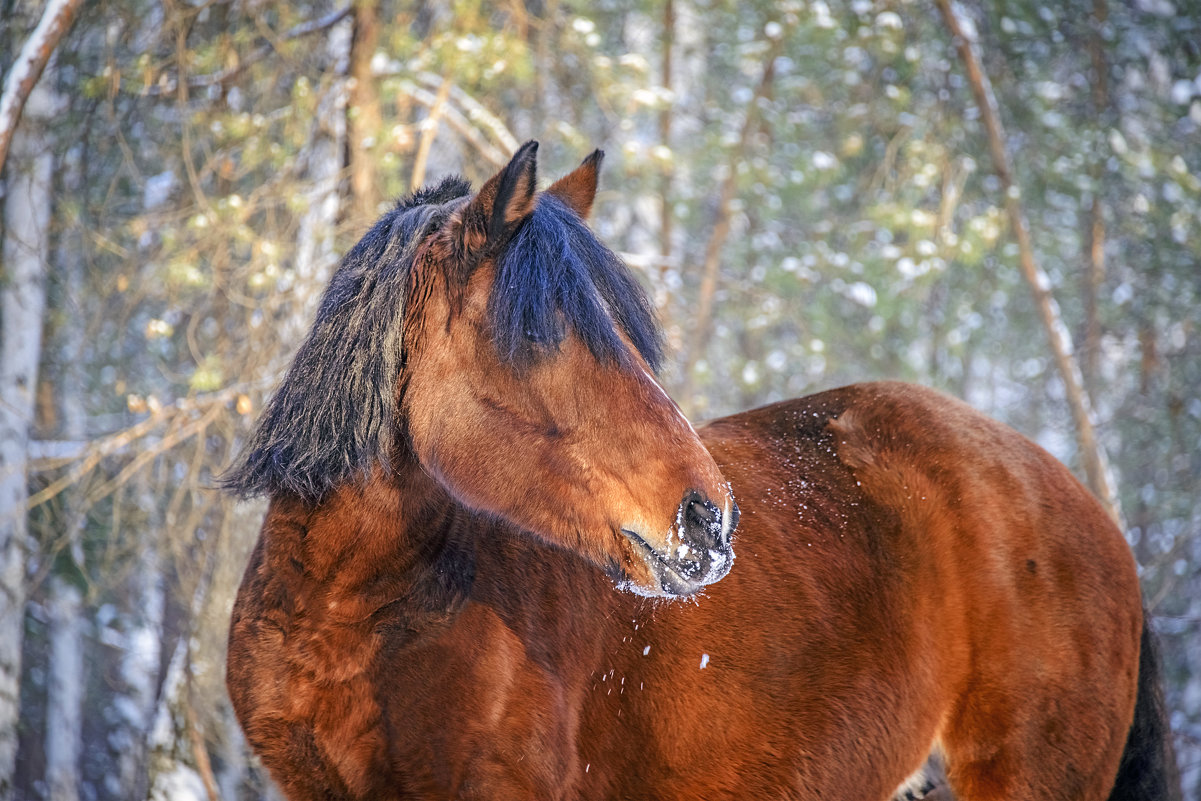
(528, 389)
(496, 341)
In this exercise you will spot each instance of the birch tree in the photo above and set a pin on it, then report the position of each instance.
(322, 160)
(27, 209)
(64, 692)
(27, 69)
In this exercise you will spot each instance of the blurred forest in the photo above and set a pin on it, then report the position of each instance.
(813, 191)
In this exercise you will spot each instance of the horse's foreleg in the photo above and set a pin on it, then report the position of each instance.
(297, 765)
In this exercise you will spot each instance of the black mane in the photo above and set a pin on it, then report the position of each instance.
(333, 416)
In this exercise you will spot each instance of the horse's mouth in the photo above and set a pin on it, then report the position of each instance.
(681, 573)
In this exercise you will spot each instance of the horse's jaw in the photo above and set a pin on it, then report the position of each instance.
(680, 572)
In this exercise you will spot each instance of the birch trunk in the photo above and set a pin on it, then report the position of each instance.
(173, 777)
(315, 246)
(65, 689)
(64, 693)
(22, 311)
(27, 67)
(140, 660)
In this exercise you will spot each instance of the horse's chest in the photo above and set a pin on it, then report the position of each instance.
(475, 716)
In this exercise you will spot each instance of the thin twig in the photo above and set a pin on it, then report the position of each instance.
(476, 112)
(105, 446)
(455, 119)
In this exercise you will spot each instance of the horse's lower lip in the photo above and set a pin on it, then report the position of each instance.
(671, 580)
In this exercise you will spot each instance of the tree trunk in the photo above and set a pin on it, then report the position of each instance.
(65, 690)
(22, 310)
(64, 693)
(173, 776)
(1094, 262)
(323, 157)
(665, 212)
(141, 657)
(27, 67)
(366, 121)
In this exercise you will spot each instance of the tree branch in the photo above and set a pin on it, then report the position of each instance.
(476, 112)
(56, 21)
(455, 119)
(1092, 455)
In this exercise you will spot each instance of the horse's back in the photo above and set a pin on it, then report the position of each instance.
(1013, 597)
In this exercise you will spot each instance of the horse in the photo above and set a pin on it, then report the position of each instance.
(498, 562)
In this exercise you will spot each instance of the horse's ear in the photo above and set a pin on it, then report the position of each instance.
(503, 202)
(578, 188)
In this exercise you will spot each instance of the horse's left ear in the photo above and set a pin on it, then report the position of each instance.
(578, 188)
(503, 202)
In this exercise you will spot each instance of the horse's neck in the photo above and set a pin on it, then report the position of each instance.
(397, 540)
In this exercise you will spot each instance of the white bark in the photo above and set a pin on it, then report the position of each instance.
(27, 208)
(315, 246)
(140, 666)
(172, 777)
(65, 689)
(64, 693)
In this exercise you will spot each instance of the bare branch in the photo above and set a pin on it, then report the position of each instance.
(32, 60)
(98, 449)
(455, 119)
(1092, 455)
(476, 112)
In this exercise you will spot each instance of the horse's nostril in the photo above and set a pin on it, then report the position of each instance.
(701, 513)
(702, 521)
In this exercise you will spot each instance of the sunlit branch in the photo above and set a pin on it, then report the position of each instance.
(461, 125)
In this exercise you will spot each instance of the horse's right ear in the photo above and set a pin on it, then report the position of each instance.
(578, 188)
(503, 202)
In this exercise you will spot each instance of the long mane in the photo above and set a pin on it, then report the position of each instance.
(335, 414)
(332, 417)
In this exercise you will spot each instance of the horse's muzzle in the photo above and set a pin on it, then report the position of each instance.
(700, 550)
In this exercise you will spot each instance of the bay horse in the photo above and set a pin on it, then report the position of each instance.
(471, 449)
